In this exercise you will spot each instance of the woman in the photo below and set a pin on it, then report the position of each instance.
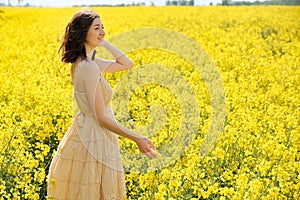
(87, 164)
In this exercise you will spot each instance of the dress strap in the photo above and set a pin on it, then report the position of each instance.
(93, 56)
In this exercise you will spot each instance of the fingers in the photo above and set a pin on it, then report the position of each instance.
(151, 144)
(151, 154)
(149, 151)
(147, 147)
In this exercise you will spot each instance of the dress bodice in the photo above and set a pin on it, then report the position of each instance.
(82, 97)
(100, 142)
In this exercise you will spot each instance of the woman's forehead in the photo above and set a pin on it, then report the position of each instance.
(97, 21)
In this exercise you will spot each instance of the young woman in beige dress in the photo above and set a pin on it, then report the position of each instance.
(87, 164)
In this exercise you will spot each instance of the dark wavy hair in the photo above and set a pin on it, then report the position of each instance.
(76, 31)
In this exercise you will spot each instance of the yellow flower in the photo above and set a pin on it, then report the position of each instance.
(256, 53)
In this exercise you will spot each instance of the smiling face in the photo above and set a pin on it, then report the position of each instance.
(95, 35)
(82, 35)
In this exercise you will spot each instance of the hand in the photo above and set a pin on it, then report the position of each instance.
(146, 147)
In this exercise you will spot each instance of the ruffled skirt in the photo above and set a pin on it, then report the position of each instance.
(75, 173)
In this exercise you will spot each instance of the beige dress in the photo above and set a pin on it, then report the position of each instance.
(87, 164)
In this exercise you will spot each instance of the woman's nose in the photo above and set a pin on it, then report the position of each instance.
(102, 32)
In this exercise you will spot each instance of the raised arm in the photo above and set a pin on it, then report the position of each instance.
(121, 62)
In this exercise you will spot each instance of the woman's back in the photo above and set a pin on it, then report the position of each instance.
(84, 96)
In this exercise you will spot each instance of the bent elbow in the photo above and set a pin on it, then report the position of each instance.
(101, 121)
(130, 65)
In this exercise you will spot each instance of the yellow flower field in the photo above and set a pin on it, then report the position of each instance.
(256, 52)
